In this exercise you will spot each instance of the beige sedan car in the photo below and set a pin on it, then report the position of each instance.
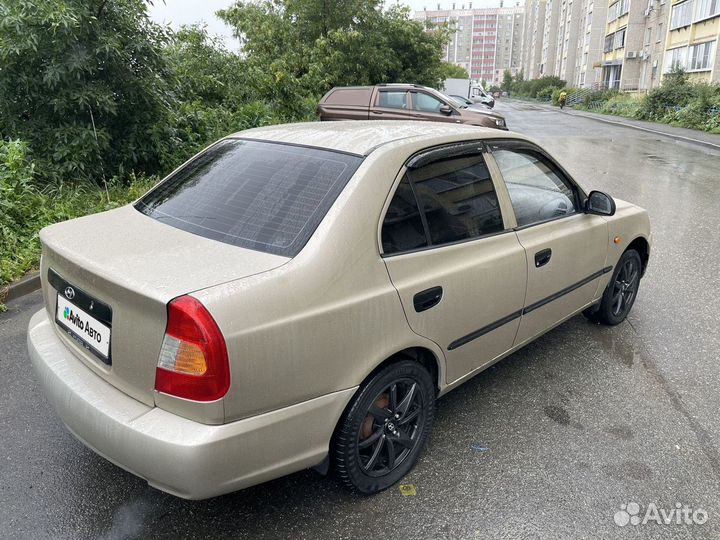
(298, 296)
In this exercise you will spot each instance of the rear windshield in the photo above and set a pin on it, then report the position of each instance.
(259, 195)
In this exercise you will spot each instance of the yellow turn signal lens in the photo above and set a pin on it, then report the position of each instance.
(190, 359)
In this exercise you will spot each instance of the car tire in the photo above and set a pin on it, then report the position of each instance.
(620, 294)
(384, 428)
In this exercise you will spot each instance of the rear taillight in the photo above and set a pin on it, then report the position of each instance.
(193, 361)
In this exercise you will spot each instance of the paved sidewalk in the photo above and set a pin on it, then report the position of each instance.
(688, 135)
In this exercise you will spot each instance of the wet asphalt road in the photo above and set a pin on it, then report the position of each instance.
(546, 444)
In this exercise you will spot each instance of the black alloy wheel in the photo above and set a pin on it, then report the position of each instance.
(621, 292)
(385, 427)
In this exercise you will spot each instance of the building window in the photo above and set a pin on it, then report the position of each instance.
(701, 56)
(624, 7)
(618, 9)
(612, 12)
(681, 15)
(619, 41)
(676, 58)
(704, 9)
(608, 43)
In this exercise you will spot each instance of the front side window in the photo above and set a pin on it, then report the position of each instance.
(254, 194)
(392, 100)
(426, 103)
(458, 199)
(537, 189)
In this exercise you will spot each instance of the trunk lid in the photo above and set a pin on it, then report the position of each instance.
(135, 265)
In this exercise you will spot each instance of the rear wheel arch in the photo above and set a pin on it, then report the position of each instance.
(423, 355)
(415, 367)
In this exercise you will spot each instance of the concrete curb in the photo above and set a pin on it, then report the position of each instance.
(612, 120)
(619, 121)
(26, 285)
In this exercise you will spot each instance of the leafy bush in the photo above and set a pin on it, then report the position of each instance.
(533, 87)
(697, 113)
(676, 101)
(22, 208)
(598, 96)
(675, 91)
(25, 208)
(546, 93)
(621, 105)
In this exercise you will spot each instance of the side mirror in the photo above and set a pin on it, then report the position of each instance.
(600, 203)
(446, 109)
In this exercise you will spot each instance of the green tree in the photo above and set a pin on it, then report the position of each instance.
(213, 93)
(507, 82)
(316, 18)
(452, 71)
(294, 57)
(84, 82)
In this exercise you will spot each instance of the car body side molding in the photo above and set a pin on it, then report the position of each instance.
(532, 307)
(484, 330)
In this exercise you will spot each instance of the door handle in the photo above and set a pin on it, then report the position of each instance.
(377, 112)
(542, 257)
(428, 298)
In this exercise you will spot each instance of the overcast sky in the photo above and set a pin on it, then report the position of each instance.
(179, 12)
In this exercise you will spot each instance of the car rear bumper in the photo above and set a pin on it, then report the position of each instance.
(180, 456)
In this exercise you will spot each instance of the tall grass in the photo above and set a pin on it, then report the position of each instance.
(26, 208)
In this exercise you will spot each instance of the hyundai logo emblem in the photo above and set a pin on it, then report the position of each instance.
(69, 293)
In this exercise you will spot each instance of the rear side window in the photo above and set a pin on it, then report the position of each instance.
(350, 96)
(392, 100)
(458, 199)
(454, 197)
(402, 228)
(259, 195)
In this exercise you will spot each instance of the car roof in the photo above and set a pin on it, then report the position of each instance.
(363, 136)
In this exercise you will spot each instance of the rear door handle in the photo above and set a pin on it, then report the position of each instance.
(428, 298)
(542, 257)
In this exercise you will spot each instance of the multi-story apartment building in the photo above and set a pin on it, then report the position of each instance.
(532, 37)
(486, 41)
(549, 38)
(510, 42)
(567, 38)
(653, 44)
(632, 52)
(589, 43)
(692, 39)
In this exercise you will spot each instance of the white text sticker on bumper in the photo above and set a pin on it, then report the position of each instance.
(91, 331)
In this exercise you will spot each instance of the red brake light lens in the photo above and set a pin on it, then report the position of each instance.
(193, 362)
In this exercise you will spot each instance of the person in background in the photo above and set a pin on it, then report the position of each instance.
(562, 98)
